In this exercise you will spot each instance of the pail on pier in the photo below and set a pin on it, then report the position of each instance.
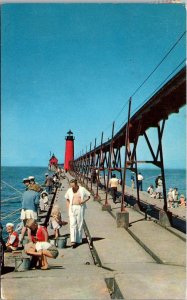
(22, 264)
(52, 242)
(25, 241)
(61, 242)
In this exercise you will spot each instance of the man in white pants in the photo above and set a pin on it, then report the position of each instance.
(76, 197)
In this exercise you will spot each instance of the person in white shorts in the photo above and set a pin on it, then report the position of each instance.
(42, 250)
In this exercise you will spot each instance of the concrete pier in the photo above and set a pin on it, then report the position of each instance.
(122, 219)
(143, 261)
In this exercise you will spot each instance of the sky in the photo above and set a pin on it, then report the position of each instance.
(75, 66)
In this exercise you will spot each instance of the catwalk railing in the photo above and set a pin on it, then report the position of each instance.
(107, 157)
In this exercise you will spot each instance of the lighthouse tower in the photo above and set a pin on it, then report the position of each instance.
(69, 152)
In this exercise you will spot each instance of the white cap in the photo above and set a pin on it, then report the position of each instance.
(46, 174)
(25, 179)
(9, 224)
(44, 192)
(31, 177)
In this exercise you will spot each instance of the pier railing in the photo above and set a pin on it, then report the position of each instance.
(107, 157)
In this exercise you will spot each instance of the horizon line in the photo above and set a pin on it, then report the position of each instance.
(149, 168)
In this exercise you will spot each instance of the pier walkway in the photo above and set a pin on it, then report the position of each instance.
(146, 261)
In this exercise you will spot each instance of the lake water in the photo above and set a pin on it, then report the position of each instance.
(12, 186)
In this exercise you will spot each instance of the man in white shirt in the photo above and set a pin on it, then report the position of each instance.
(113, 184)
(76, 197)
(140, 180)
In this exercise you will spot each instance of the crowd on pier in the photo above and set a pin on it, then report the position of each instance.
(35, 200)
(173, 198)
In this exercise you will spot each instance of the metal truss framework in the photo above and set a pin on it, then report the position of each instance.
(107, 156)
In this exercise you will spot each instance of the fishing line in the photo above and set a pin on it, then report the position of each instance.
(5, 200)
(14, 212)
(11, 186)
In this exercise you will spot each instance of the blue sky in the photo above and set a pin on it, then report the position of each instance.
(74, 66)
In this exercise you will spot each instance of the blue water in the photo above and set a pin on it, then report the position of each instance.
(173, 178)
(14, 175)
(12, 187)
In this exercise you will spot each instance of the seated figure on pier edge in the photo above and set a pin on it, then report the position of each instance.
(159, 189)
(44, 201)
(150, 189)
(13, 238)
(182, 200)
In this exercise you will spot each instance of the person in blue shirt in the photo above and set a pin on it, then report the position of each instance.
(30, 202)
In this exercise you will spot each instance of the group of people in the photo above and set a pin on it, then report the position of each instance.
(38, 246)
(158, 192)
(173, 198)
(34, 200)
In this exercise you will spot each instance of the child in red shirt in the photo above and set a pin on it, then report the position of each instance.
(38, 233)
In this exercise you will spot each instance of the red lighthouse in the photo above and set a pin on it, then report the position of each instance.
(69, 152)
(53, 163)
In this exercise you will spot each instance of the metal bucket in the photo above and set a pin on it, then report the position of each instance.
(61, 242)
(22, 264)
(25, 241)
(52, 242)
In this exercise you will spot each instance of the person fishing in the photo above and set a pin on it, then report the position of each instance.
(30, 202)
(13, 238)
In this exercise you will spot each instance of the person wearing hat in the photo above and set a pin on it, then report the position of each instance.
(30, 202)
(76, 197)
(13, 238)
(33, 185)
(26, 182)
(49, 183)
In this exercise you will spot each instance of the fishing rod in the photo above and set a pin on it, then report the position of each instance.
(14, 212)
(11, 186)
(12, 198)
